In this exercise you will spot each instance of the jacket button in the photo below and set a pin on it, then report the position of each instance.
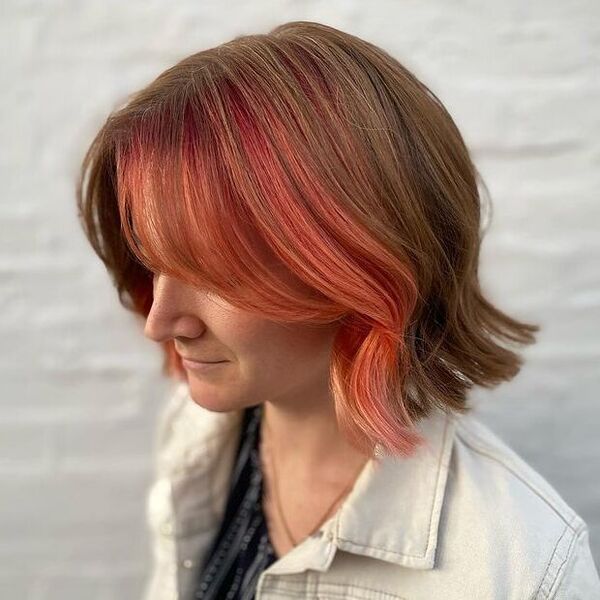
(166, 529)
(188, 563)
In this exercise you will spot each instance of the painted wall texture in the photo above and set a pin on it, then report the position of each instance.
(81, 386)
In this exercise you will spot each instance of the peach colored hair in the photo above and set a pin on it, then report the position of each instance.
(311, 149)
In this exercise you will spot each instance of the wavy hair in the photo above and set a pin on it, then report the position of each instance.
(314, 150)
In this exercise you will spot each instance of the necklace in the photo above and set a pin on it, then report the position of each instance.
(278, 501)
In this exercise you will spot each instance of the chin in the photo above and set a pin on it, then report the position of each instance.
(208, 400)
(212, 404)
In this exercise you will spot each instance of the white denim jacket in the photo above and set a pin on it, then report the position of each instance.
(465, 518)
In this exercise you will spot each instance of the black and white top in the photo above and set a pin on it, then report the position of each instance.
(241, 549)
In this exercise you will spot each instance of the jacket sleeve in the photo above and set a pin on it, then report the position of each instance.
(578, 579)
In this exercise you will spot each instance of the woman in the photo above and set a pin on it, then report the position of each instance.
(300, 211)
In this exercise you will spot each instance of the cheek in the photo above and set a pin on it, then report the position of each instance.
(296, 352)
(266, 349)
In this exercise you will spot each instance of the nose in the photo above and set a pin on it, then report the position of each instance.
(172, 312)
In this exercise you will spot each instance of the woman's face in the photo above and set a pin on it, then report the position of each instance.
(264, 360)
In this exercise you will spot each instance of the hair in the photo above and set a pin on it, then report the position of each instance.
(314, 150)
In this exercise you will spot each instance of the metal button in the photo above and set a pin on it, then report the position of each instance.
(166, 528)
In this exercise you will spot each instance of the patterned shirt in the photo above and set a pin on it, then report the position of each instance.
(241, 549)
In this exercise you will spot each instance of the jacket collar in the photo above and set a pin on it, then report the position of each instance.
(392, 513)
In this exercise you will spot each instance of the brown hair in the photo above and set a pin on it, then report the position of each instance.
(313, 148)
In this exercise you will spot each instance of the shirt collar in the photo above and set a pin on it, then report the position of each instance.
(393, 510)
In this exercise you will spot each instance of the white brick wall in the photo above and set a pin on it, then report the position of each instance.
(80, 384)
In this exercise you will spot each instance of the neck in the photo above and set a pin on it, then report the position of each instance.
(306, 440)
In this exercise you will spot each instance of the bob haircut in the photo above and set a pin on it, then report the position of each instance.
(311, 150)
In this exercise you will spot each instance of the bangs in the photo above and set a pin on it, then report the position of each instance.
(180, 213)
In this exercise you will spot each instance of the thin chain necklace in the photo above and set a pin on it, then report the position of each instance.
(278, 501)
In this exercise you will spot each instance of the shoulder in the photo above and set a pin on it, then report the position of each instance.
(489, 468)
(510, 519)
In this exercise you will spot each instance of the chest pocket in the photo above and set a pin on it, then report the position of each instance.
(348, 591)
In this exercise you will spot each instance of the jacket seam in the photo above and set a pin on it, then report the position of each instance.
(566, 559)
(469, 439)
(323, 585)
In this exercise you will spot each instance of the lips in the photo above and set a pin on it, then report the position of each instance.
(201, 367)
(201, 360)
(204, 362)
